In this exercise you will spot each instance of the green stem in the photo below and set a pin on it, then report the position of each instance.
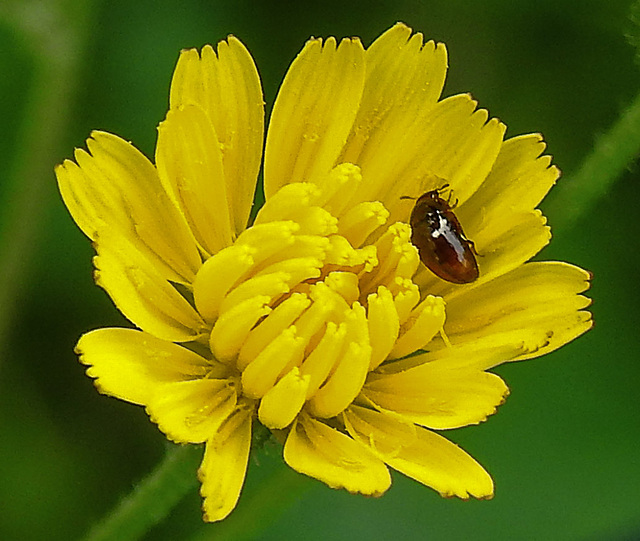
(153, 499)
(612, 154)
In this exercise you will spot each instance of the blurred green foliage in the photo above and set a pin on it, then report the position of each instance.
(563, 450)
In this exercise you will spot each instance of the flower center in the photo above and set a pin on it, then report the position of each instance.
(311, 298)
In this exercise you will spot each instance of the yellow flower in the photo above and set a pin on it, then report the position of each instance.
(318, 319)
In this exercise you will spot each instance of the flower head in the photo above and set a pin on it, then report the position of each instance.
(318, 319)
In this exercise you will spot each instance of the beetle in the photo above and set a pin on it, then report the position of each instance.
(440, 240)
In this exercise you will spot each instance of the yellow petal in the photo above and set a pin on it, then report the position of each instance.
(424, 456)
(225, 465)
(132, 365)
(450, 143)
(519, 180)
(540, 297)
(313, 113)
(438, 396)
(141, 293)
(404, 77)
(116, 189)
(385, 434)
(437, 463)
(482, 352)
(507, 245)
(189, 162)
(334, 458)
(227, 87)
(460, 145)
(191, 411)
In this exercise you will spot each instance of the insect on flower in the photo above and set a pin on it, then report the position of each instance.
(441, 242)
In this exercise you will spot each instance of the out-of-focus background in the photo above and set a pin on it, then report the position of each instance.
(565, 448)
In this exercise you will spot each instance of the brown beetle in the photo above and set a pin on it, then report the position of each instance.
(441, 243)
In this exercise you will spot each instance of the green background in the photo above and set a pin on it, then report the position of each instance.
(564, 450)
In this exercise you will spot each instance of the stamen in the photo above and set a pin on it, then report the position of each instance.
(313, 321)
(298, 268)
(398, 257)
(345, 284)
(341, 253)
(269, 238)
(277, 321)
(291, 313)
(384, 325)
(425, 322)
(301, 246)
(324, 357)
(405, 296)
(290, 202)
(279, 407)
(232, 328)
(317, 221)
(218, 275)
(262, 372)
(338, 188)
(362, 220)
(322, 294)
(270, 285)
(349, 375)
